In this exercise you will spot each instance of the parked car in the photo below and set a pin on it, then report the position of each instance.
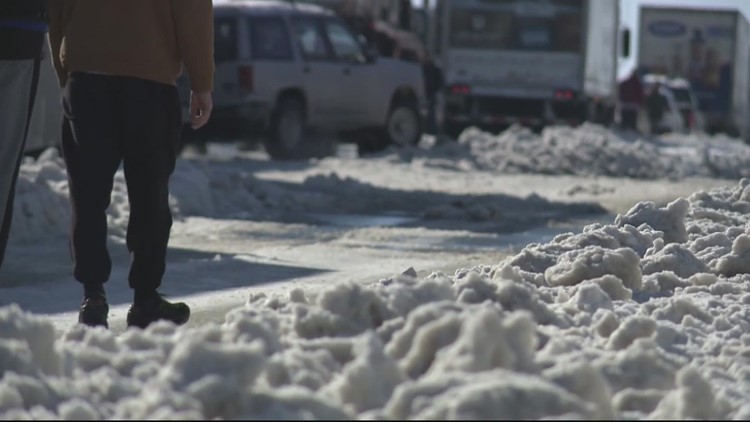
(285, 70)
(682, 114)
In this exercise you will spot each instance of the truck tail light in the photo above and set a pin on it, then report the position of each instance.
(460, 89)
(245, 79)
(564, 94)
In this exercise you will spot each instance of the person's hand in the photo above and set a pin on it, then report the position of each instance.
(201, 105)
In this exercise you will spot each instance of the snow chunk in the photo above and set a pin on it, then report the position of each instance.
(676, 258)
(77, 410)
(631, 329)
(34, 337)
(641, 366)
(511, 345)
(498, 394)
(669, 220)
(589, 297)
(738, 262)
(693, 399)
(591, 262)
(311, 369)
(368, 381)
(677, 308)
(214, 374)
(635, 400)
(613, 286)
(605, 323)
(587, 383)
(424, 334)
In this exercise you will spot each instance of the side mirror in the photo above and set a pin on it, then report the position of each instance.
(625, 43)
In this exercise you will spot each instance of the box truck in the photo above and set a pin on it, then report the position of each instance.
(710, 48)
(534, 62)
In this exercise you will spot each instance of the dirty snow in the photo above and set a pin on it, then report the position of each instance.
(591, 150)
(646, 316)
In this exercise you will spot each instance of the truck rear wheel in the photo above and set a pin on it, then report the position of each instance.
(287, 131)
(403, 127)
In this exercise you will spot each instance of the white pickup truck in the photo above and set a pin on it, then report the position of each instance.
(285, 69)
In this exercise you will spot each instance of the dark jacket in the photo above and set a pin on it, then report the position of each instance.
(433, 79)
(656, 105)
(631, 91)
(23, 25)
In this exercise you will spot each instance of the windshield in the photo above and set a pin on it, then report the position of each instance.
(526, 25)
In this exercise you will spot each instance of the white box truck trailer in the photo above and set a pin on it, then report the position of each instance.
(711, 49)
(534, 62)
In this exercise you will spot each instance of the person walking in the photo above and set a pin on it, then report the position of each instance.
(656, 105)
(433, 85)
(118, 62)
(631, 101)
(23, 27)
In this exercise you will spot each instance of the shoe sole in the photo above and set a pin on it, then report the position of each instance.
(93, 322)
(142, 324)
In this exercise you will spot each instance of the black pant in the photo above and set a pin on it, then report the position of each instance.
(629, 119)
(109, 120)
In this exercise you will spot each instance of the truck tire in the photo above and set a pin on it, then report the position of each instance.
(403, 128)
(287, 137)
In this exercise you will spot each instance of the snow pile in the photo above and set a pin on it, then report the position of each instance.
(647, 317)
(590, 150)
(229, 190)
(226, 189)
(41, 207)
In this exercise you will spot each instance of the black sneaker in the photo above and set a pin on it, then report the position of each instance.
(94, 312)
(142, 314)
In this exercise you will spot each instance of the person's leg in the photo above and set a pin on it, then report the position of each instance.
(149, 135)
(18, 81)
(92, 155)
(149, 132)
(432, 116)
(653, 125)
(631, 117)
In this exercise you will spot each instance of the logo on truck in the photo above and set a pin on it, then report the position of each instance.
(667, 28)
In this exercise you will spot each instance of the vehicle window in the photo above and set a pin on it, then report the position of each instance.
(310, 39)
(554, 25)
(345, 46)
(480, 29)
(225, 39)
(681, 95)
(269, 39)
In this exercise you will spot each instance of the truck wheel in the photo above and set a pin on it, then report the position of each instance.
(287, 131)
(403, 127)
